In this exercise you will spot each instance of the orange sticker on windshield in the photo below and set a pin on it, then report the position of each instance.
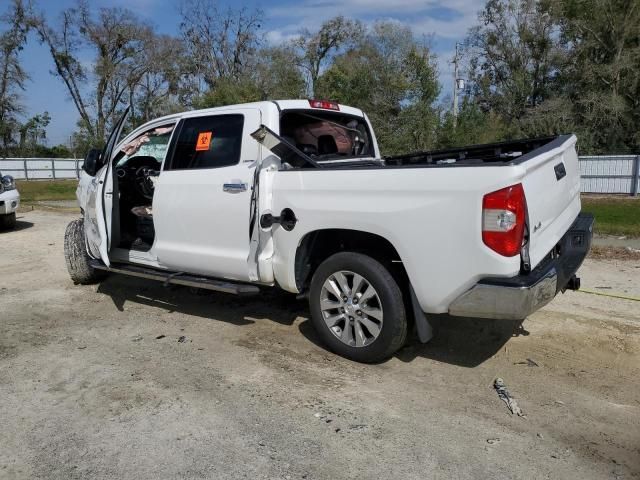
(204, 140)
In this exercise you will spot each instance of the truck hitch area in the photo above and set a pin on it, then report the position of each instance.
(573, 284)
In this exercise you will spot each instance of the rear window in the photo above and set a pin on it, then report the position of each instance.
(208, 142)
(327, 136)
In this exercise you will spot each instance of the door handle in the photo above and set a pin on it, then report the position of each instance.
(234, 187)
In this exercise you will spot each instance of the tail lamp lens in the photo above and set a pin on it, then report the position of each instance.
(503, 220)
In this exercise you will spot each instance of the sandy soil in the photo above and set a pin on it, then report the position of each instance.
(95, 384)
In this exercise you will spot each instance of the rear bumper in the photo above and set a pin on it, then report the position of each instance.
(9, 201)
(519, 296)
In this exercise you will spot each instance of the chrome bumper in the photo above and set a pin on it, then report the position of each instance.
(505, 303)
(517, 297)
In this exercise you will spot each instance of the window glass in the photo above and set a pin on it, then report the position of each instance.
(208, 142)
(152, 143)
(327, 135)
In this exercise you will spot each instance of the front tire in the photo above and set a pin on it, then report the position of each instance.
(8, 221)
(76, 257)
(357, 307)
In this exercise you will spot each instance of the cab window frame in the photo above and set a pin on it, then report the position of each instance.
(170, 160)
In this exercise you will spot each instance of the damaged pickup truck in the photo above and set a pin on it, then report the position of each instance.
(295, 194)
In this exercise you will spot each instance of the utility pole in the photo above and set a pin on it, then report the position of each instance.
(455, 87)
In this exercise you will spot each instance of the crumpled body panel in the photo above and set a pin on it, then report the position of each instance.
(88, 194)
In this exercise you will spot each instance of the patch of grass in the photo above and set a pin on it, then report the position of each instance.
(614, 215)
(37, 190)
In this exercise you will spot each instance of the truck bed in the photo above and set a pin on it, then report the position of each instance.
(489, 154)
(494, 154)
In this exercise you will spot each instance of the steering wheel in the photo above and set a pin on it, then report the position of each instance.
(136, 173)
(143, 183)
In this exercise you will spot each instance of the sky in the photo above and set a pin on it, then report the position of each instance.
(442, 22)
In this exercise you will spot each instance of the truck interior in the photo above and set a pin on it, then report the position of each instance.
(326, 136)
(136, 167)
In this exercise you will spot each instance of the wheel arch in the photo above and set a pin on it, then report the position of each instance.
(318, 245)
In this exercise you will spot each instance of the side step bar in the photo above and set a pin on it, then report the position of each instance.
(178, 278)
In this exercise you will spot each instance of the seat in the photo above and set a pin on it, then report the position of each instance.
(327, 145)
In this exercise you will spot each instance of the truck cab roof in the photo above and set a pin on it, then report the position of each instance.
(279, 105)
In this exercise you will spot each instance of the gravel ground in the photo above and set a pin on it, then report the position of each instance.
(95, 383)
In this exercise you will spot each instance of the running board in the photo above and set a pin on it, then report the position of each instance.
(178, 278)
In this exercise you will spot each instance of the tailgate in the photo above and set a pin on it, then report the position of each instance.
(552, 189)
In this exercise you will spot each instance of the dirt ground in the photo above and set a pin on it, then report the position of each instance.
(94, 383)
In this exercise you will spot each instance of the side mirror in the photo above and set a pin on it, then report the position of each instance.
(91, 161)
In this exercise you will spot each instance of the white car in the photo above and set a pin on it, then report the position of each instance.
(294, 194)
(9, 202)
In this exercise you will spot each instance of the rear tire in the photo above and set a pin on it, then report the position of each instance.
(76, 256)
(8, 221)
(357, 308)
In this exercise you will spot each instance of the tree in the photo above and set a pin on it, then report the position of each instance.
(272, 77)
(219, 45)
(394, 79)
(474, 126)
(12, 76)
(317, 48)
(33, 132)
(276, 74)
(161, 89)
(118, 40)
(604, 72)
(515, 57)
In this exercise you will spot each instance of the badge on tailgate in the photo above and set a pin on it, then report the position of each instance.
(560, 171)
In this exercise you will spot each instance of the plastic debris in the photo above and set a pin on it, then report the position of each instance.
(493, 441)
(160, 337)
(506, 397)
(182, 339)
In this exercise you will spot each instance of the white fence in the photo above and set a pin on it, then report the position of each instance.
(610, 174)
(600, 174)
(41, 168)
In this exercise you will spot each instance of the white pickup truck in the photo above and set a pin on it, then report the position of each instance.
(295, 194)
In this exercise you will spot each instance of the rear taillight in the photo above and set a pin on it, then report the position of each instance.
(325, 104)
(503, 219)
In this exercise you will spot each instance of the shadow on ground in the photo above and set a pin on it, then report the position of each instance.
(20, 225)
(270, 304)
(466, 342)
(462, 341)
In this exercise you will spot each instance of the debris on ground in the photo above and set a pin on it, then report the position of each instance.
(529, 363)
(182, 339)
(160, 337)
(137, 338)
(493, 441)
(506, 397)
